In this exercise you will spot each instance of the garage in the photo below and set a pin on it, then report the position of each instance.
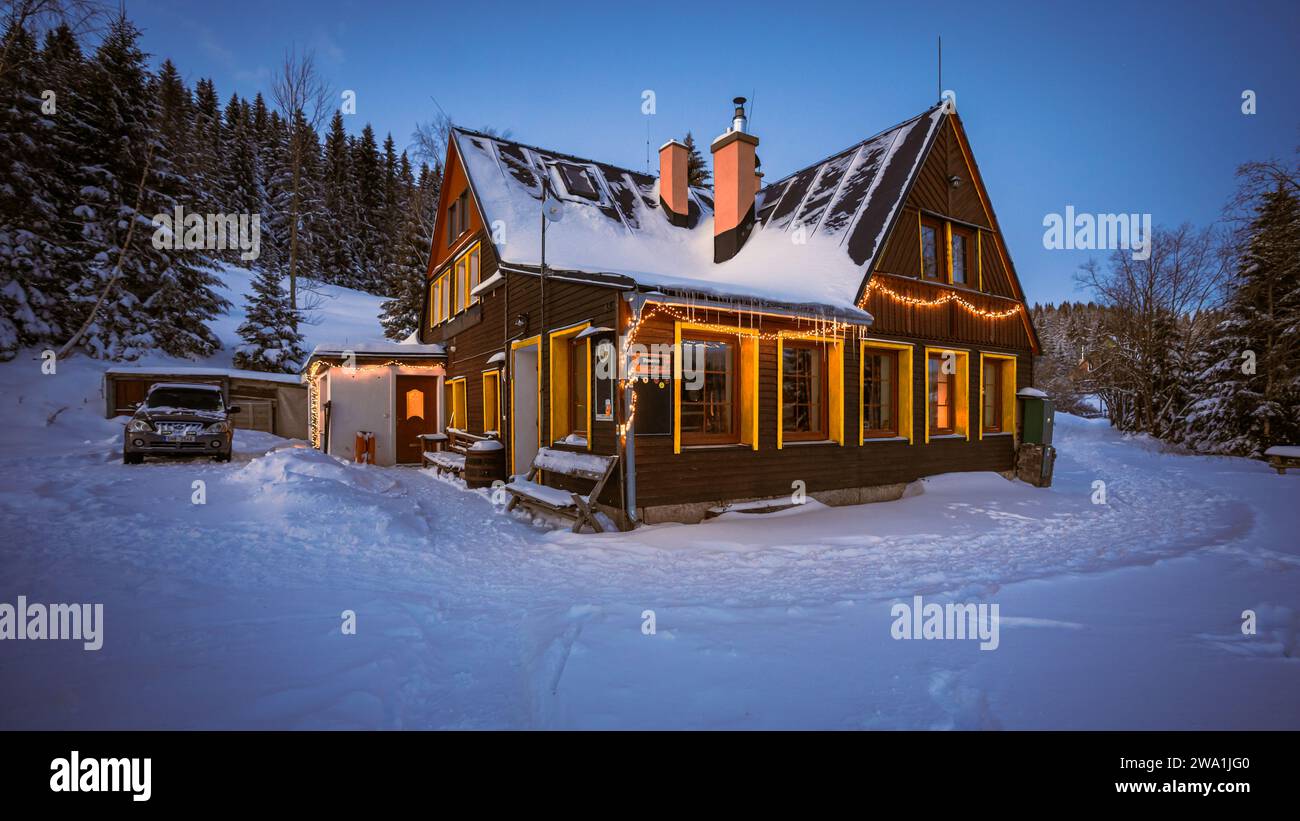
(271, 402)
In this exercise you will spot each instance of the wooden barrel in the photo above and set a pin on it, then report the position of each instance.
(485, 463)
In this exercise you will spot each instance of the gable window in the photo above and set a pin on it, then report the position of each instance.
(453, 224)
(803, 391)
(997, 393)
(886, 390)
(461, 287)
(962, 244)
(946, 385)
(932, 262)
(473, 272)
(570, 386)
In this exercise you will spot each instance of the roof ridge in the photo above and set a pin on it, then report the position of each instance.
(561, 155)
(857, 145)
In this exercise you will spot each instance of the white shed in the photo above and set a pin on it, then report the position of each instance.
(390, 390)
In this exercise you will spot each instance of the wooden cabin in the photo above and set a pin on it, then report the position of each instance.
(842, 331)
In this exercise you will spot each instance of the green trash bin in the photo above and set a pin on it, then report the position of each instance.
(1037, 412)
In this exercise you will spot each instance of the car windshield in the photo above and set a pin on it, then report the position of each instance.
(187, 399)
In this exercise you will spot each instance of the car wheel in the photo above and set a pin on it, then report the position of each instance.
(132, 458)
(222, 457)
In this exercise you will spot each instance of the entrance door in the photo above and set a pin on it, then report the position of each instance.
(417, 413)
(523, 402)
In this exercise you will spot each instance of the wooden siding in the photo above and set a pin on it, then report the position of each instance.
(710, 474)
(945, 323)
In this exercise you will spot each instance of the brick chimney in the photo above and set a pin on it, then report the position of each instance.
(673, 189)
(735, 184)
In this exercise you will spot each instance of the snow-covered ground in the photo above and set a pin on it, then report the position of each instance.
(228, 614)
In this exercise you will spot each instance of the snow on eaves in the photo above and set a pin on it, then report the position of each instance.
(817, 231)
(174, 370)
(379, 348)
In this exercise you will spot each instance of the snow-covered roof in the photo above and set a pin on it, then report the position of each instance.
(185, 386)
(379, 348)
(816, 234)
(230, 373)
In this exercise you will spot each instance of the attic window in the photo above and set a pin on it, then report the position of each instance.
(577, 181)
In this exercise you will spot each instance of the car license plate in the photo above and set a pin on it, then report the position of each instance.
(180, 437)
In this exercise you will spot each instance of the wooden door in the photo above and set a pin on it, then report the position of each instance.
(417, 413)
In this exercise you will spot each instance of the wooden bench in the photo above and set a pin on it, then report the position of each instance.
(451, 457)
(1281, 457)
(566, 504)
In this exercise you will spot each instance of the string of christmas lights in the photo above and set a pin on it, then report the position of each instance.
(317, 371)
(950, 296)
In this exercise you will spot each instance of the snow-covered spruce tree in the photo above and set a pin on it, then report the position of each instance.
(269, 335)
(697, 170)
(161, 297)
(1249, 385)
(369, 174)
(183, 297)
(405, 280)
(28, 207)
(338, 259)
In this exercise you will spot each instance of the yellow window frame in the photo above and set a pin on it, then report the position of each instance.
(961, 401)
(834, 384)
(747, 380)
(492, 410)
(558, 389)
(1008, 391)
(459, 406)
(906, 387)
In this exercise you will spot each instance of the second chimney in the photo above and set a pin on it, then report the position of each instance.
(673, 190)
(735, 185)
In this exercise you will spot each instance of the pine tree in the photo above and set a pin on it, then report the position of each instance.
(338, 261)
(162, 297)
(405, 279)
(29, 217)
(1249, 385)
(697, 171)
(271, 341)
(369, 176)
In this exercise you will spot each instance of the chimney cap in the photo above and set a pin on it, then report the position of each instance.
(672, 142)
(739, 101)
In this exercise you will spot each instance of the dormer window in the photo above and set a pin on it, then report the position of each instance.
(457, 218)
(578, 181)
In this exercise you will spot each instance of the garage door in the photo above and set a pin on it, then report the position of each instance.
(254, 414)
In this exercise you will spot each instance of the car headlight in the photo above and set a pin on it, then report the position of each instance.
(217, 427)
(139, 426)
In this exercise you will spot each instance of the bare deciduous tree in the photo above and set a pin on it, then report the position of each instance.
(304, 98)
(78, 15)
(1161, 312)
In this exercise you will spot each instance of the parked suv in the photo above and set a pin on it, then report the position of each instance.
(180, 419)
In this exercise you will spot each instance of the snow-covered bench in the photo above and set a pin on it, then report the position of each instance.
(564, 503)
(1281, 457)
(452, 458)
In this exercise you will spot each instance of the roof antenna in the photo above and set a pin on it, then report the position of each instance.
(753, 95)
(940, 66)
(647, 145)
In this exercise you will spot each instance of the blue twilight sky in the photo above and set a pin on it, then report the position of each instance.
(1125, 107)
